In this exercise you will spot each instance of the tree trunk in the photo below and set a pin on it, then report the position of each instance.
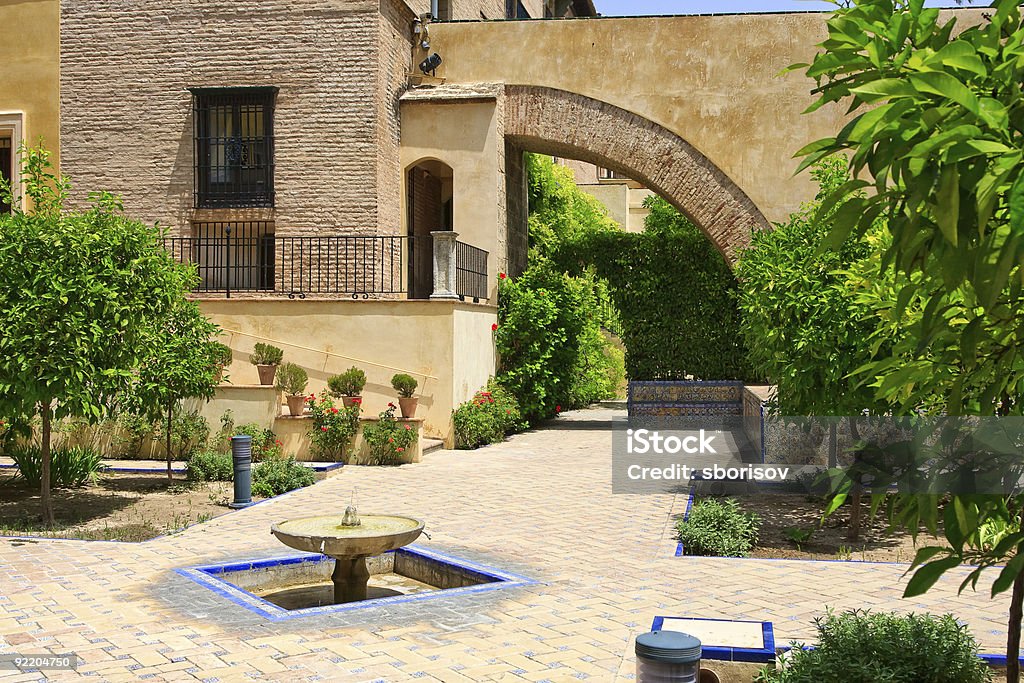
(46, 456)
(1013, 631)
(170, 424)
(857, 492)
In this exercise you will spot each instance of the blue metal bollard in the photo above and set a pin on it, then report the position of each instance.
(241, 455)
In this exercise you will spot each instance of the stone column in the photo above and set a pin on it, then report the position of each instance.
(444, 264)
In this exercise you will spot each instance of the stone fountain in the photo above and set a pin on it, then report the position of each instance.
(349, 539)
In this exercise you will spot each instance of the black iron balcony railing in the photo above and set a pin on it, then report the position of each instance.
(244, 257)
(470, 272)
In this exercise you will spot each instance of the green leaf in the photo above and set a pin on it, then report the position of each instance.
(947, 211)
(1017, 204)
(884, 88)
(1006, 577)
(926, 577)
(944, 85)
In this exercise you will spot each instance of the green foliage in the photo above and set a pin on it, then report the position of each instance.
(83, 296)
(798, 536)
(718, 528)
(265, 444)
(72, 467)
(674, 293)
(133, 431)
(280, 475)
(266, 354)
(865, 647)
(803, 327)
(404, 384)
(220, 356)
(559, 211)
(189, 432)
(209, 465)
(291, 379)
(333, 427)
(492, 414)
(552, 354)
(935, 127)
(348, 383)
(388, 439)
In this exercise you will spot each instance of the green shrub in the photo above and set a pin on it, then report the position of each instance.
(209, 465)
(348, 383)
(280, 475)
(265, 354)
(189, 432)
(718, 528)
(291, 379)
(404, 384)
(333, 427)
(222, 355)
(265, 443)
(388, 439)
(133, 431)
(864, 647)
(487, 418)
(70, 467)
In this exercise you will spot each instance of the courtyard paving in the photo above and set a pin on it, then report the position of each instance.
(539, 505)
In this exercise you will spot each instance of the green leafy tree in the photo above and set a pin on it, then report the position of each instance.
(181, 362)
(936, 148)
(80, 295)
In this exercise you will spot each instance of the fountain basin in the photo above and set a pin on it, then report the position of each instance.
(324, 534)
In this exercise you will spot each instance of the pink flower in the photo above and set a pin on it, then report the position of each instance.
(408, 427)
(494, 327)
(391, 439)
(400, 449)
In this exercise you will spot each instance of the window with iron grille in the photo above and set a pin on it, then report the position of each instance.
(234, 146)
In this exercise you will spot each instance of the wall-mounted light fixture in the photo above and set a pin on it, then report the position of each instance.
(430, 64)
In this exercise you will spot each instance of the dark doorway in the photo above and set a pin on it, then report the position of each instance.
(6, 169)
(429, 204)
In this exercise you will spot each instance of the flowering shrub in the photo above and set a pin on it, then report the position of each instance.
(389, 438)
(487, 418)
(265, 444)
(333, 427)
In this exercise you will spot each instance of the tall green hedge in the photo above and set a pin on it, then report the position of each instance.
(675, 294)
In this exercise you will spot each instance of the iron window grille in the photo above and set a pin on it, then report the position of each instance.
(234, 147)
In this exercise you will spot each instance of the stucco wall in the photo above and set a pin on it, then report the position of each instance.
(713, 80)
(466, 136)
(446, 346)
(29, 53)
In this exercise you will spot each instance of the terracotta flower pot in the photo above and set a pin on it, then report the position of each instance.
(349, 401)
(408, 406)
(266, 373)
(296, 404)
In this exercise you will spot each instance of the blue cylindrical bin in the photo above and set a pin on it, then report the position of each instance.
(667, 657)
(241, 455)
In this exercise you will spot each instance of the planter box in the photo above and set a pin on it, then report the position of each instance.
(293, 432)
(678, 398)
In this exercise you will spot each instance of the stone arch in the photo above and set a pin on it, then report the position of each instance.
(566, 124)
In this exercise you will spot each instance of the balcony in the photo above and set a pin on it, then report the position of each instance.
(244, 258)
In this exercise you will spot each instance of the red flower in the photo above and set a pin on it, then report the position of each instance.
(278, 442)
(558, 409)
(334, 411)
(391, 439)
(324, 429)
(408, 427)
(400, 449)
(391, 405)
(494, 327)
(508, 411)
(502, 275)
(357, 400)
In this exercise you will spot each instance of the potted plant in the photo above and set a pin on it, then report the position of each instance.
(266, 358)
(222, 357)
(406, 385)
(348, 386)
(292, 380)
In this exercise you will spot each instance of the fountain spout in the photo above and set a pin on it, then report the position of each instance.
(351, 517)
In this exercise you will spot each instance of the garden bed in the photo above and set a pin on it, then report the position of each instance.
(828, 542)
(120, 507)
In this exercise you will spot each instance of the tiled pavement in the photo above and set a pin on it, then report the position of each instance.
(538, 505)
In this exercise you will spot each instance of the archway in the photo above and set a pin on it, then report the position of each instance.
(429, 192)
(565, 124)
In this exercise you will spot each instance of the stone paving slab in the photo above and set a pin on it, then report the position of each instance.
(539, 505)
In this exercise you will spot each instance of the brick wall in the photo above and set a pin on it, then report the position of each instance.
(127, 117)
(465, 9)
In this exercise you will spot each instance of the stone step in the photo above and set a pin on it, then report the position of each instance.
(431, 445)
